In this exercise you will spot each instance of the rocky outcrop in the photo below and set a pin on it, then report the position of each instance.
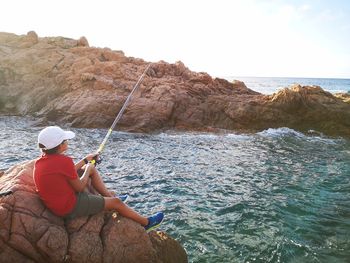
(343, 96)
(31, 233)
(307, 108)
(66, 81)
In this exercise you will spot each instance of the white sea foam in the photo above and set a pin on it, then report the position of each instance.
(214, 136)
(311, 136)
(239, 137)
(172, 134)
(279, 132)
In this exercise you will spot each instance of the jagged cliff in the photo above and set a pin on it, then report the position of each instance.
(66, 81)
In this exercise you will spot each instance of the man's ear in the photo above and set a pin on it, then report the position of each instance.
(60, 148)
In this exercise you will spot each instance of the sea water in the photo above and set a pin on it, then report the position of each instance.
(267, 85)
(273, 196)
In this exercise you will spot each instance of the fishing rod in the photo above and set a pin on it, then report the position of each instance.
(102, 145)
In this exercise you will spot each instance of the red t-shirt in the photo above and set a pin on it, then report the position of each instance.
(51, 175)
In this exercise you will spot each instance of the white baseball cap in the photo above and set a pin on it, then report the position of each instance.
(53, 136)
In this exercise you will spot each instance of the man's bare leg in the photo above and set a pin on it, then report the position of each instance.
(112, 203)
(98, 184)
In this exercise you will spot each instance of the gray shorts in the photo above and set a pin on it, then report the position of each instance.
(87, 204)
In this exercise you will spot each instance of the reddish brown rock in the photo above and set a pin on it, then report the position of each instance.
(66, 81)
(82, 42)
(31, 233)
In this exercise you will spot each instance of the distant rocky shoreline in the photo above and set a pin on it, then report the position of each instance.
(65, 81)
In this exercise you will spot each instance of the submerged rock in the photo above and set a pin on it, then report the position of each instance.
(31, 233)
(66, 81)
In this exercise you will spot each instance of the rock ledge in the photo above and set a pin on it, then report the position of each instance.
(31, 233)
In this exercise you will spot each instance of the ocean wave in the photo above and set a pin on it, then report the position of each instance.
(188, 135)
(209, 136)
(311, 136)
(280, 132)
(239, 136)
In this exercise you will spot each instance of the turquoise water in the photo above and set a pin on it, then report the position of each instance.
(267, 85)
(274, 196)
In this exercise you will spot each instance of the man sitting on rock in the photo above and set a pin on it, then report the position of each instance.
(62, 190)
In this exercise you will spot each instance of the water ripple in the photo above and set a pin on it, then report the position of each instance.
(276, 196)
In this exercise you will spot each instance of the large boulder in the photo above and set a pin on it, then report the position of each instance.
(63, 80)
(31, 233)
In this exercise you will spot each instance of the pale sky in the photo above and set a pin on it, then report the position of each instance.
(276, 38)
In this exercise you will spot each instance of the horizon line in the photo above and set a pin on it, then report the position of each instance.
(235, 76)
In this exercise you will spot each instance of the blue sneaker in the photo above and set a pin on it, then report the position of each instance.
(154, 221)
(124, 198)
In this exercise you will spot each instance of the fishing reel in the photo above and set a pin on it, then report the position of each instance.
(96, 160)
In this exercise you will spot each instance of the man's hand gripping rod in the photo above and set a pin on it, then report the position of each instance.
(102, 145)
